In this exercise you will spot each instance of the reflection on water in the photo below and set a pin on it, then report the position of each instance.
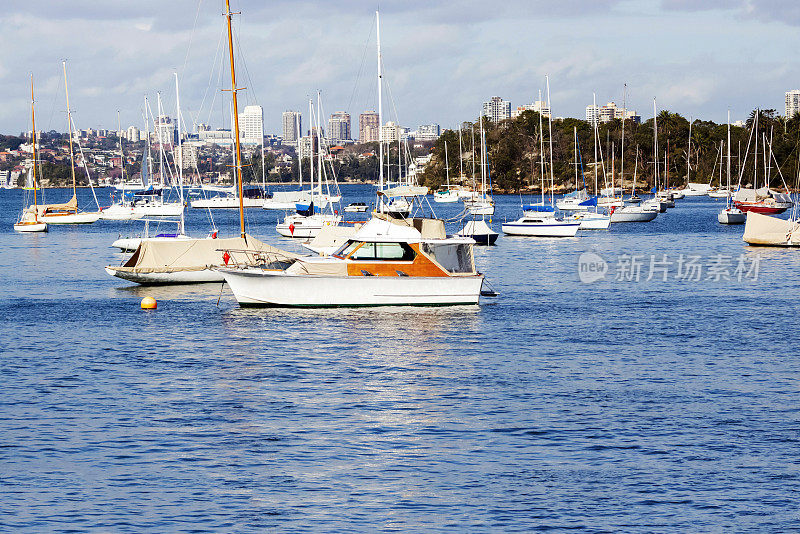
(611, 406)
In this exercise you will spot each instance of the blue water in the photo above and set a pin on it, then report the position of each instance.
(614, 406)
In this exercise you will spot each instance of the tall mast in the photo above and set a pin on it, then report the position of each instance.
(180, 151)
(69, 120)
(460, 158)
(299, 149)
(446, 166)
(311, 140)
(380, 99)
(689, 154)
(755, 152)
(319, 148)
(33, 140)
(728, 191)
(622, 143)
(159, 109)
(147, 139)
(655, 146)
(234, 90)
(541, 148)
(483, 161)
(575, 144)
(550, 130)
(594, 120)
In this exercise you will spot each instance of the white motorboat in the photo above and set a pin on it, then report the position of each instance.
(446, 197)
(696, 190)
(306, 226)
(541, 225)
(252, 197)
(120, 212)
(627, 214)
(388, 262)
(357, 207)
(732, 215)
(484, 206)
(655, 204)
(576, 201)
(590, 220)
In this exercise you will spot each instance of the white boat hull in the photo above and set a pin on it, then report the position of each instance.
(227, 203)
(593, 221)
(130, 244)
(446, 198)
(623, 215)
(255, 287)
(553, 228)
(297, 226)
(73, 218)
(172, 209)
(120, 213)
(732, 216)
(30, 227)
(180, 277)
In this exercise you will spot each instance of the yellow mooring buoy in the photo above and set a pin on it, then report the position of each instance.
(149, 303)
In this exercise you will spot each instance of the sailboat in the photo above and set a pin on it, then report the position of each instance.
(730, 215)
(29, 220)
(763, 200)
(590, 220)
(124, 209)
(539, 220)
(67, 213)
(447, 195)
(480, 203)
(635, 212)
(309, 219)
(181, 259)
(477, 229)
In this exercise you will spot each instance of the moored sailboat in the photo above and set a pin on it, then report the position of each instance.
(29, 220)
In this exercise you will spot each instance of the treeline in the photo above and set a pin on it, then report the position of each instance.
(514, 152)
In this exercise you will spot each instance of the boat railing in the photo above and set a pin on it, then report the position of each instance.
(241, 258)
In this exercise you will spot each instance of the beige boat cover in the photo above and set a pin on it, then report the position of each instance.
(428, 228)
(71, 205)
(199, 254)
(333, 236)
(765, 230)
(332, 267)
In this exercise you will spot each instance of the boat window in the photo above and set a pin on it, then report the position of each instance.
(384, 251)
(347, 249)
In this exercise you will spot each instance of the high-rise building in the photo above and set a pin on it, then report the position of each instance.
(292, 127)
(133, 134)
(497, 109)
(368, 126)
(391, 132)
(339, 128)
(428, 132)
(792, 103)
(251, 125)
(166, 130)
(593, 114)
(538, 106)
(601, 114)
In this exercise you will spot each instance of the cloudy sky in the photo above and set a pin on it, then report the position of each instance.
(442, 58)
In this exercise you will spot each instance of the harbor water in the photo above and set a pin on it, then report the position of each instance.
(617, 404)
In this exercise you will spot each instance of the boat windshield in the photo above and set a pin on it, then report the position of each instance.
(383, 252)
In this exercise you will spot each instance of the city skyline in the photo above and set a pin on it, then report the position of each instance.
(698, 59)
